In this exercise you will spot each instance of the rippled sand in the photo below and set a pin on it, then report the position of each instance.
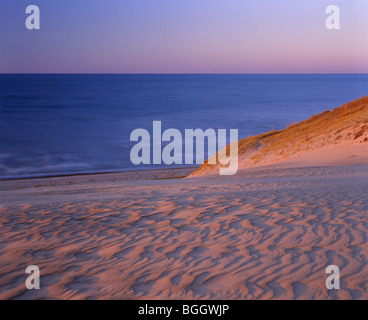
(262, 234)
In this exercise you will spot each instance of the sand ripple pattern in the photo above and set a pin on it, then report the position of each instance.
(259, 235)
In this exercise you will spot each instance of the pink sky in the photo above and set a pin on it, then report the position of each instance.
(184, 36)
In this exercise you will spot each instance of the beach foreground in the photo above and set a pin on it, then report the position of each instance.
(261, 234)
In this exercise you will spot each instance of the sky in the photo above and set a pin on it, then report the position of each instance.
(184, 36)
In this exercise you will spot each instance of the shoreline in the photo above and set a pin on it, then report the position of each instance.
(141, 176)
(57, 180)
(61, 175)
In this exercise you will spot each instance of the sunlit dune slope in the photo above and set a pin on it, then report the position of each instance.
(333, 136)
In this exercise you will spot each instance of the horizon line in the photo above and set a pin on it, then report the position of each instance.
(179, 73)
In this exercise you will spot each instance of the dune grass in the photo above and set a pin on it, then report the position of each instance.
(348, 122)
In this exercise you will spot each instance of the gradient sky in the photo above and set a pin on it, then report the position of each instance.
(184, 36)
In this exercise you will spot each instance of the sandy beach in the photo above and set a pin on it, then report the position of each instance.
(265, 233)
(297, 205)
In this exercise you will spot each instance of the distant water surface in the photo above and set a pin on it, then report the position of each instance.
(61, 124)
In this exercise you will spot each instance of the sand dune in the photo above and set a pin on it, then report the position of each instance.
(262, 234)
(333, 137)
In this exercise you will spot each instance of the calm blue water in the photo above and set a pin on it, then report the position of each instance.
(57, 124)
